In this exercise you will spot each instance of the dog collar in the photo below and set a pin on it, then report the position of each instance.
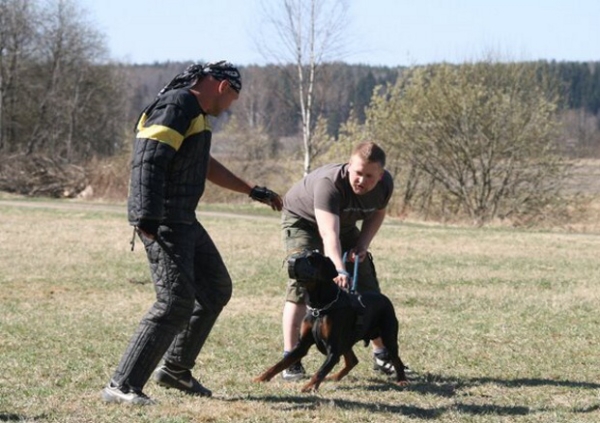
(316, 312)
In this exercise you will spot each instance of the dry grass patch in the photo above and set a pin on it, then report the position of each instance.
(500, 325)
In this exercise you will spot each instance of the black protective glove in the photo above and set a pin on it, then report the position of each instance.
(148, 227)
(266, 196)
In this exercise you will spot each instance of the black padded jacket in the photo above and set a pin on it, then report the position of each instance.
(170, 160)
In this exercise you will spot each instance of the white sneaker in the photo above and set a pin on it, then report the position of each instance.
(382, 363)
(114, 394)
(294, 372)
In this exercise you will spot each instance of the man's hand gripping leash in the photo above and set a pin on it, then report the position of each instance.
(355, 273)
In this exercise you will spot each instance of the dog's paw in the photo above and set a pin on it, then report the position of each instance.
(402, 382)
(311, 386)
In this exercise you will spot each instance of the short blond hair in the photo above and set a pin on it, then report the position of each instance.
(369, 151)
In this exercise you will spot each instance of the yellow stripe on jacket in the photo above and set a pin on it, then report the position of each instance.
(168, 135)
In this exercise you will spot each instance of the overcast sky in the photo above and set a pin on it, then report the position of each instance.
(379, 32)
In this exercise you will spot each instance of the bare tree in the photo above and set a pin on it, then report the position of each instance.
(304, 34)
(65, 54)
(61, 102)
(17, 23)
(58, 94)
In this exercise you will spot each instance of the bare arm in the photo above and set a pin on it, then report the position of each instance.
(223, 177)
(329, 229)
(369, 229)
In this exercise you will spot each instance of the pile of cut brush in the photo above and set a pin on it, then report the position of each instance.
(41, 176)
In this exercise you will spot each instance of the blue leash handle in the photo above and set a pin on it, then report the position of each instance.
(354, 275)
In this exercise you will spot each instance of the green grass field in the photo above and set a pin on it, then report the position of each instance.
(500, 325)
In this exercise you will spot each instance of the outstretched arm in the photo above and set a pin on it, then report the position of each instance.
(329, 229)
(223, 177)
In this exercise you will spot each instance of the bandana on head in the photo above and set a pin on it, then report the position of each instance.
(224, 70)
(218, 70)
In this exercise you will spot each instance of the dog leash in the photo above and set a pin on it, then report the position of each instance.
(355, 274)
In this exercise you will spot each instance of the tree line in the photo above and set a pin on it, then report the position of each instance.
(485, 139)
(268, 100)
(61, 96)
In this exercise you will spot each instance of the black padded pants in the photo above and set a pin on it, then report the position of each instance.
(192, 286)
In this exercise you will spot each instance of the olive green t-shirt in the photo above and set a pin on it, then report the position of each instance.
(328, 188)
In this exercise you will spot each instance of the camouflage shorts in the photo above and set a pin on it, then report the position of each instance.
(299, 234)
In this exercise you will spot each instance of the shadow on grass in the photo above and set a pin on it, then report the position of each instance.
(453, 383)
(11, 417)
(587, 409)
(310, 402)
(445, 386)
(427, 384)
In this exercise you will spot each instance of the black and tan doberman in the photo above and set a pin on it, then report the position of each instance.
(336, 320)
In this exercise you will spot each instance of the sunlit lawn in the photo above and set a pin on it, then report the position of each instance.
(500, 325)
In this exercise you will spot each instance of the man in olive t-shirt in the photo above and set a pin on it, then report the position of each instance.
(320, 212)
